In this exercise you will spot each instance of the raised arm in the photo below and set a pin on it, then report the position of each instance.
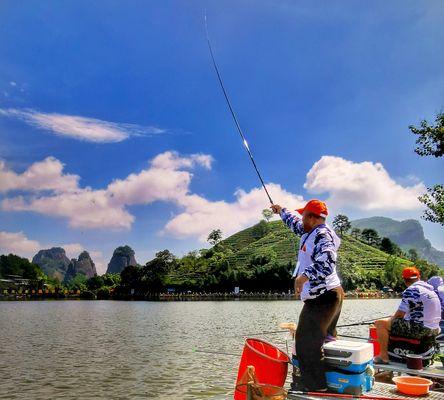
(292, 221)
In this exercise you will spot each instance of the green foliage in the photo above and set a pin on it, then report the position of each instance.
(260, 230)
(259, 258)
(79, 282)
(371, 237)
(130, 276)
(341, 224)
(430, 142)
(356, 233)
(434, 201)
(14, 265)
(427, 270)
(104, 293)
(389, 247)
(153, 274)
(413, 255)
(430, 139)
(267, 214)
(392, 276)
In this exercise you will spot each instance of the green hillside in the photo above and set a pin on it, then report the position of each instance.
(408, 234)
(359, 264)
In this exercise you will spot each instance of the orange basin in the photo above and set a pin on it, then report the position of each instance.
(412, 384)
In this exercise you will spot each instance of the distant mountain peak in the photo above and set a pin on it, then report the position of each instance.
(53, 262)
(408, 234)
(122, 257)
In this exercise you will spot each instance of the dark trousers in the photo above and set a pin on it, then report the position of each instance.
(318, 318)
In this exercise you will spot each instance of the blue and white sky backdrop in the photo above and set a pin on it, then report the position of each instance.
(113, 129)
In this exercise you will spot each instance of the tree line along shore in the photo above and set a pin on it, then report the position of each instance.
(255, 263)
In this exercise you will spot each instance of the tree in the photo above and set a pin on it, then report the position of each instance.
(341, 224)
(430, 142)
(267, 214)
(215, 237)
(389, 247)
(426, 269)
(392, 275)
(154, 272)
(413, 255)
(95, 282)
(259, 230)
(430, 139)
(371, 237)
(79, 282)
(356, 233)
(15, 265)
(434, 201)
(130, 276)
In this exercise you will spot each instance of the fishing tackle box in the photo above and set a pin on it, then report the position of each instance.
(350, 383)
(344, 382)
(348, 356)
(349, 366)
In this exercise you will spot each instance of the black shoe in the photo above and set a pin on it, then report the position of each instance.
(297, 384)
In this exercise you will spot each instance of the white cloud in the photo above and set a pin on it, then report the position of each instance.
(81, 128)
(364, 186)
(106, 208)
(85, 208)
(171, 160)
(201, 216)
(44, 175)
(18, 243)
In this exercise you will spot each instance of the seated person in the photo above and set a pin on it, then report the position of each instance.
(417, 317)
(438, 286)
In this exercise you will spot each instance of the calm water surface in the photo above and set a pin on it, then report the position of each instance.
(139, 350)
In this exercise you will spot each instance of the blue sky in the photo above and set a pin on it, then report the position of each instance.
(104, 87)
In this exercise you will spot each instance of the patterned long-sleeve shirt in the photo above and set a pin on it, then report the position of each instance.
(421, 305)
(316, 257)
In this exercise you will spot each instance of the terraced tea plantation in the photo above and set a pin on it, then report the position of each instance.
(275, 238)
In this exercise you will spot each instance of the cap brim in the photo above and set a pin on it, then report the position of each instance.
(300, 210)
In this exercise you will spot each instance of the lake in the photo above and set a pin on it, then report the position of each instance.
(139, 350)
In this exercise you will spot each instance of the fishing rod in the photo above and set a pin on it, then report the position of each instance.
(344, 396)
(233, 114)
(215, 352)
(367, 322)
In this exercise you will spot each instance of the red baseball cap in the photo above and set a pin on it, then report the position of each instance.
(317, 207)
(410, 273)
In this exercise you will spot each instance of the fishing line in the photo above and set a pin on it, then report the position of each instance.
(367, 322)
(244, 140)
(215, 352)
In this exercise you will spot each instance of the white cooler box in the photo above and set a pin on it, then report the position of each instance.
(348, 356)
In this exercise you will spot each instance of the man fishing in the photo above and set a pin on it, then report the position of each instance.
(417, 317)
(320, 289)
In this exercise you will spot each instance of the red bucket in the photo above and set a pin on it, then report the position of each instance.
(270, 363)
(373, 339)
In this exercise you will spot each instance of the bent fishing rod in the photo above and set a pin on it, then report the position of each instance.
(233, 114)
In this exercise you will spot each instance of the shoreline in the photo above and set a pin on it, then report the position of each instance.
(165, 297)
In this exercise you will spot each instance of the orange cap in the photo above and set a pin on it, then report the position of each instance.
(317, 207)
(410, 273)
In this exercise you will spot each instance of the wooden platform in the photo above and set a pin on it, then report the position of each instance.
(379, 390)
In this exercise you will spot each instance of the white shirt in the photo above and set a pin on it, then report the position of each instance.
(316, 257)
(421, 305)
